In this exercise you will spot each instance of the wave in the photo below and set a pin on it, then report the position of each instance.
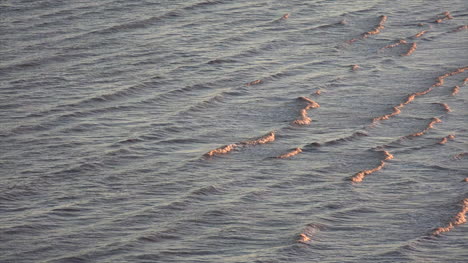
(444, 105)
(446, 16)
(290, 153)
(221, 150)
(460, 28)
(411, 49)
(309, 231)
(460, 156)
(458, 219)
(270, 137)
(359, 177)
(397, 109)
(440, 79)
(429, 126)
(446, 138)
(455, 90)
(374, 31)
(304, 119)
(420, 34)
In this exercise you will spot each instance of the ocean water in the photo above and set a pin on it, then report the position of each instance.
(115, 116)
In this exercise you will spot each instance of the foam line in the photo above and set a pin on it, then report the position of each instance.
(458, 219)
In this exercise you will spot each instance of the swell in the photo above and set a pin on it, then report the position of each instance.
(270, 137)
(153, 20)
(67, 112)
(94, 100)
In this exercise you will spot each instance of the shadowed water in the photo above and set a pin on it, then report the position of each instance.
(171, 131)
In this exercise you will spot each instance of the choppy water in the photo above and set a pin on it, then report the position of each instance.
(108, 109)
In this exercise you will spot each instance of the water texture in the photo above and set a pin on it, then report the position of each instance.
(233, 131)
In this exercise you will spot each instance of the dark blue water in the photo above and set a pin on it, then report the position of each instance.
(108, 108)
